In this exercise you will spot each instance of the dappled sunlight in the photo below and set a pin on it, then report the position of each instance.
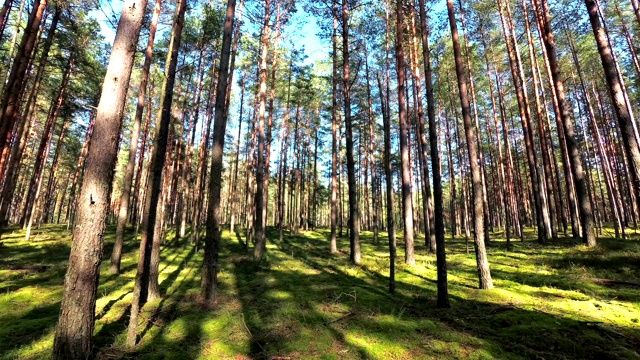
(302, 302)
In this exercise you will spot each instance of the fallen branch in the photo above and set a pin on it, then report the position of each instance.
(608, 282)
(348, 315)
(38, 268)
(250, 334)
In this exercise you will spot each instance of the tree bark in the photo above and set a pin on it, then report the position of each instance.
(407, 208)
(543, 16)
(261, 241)
(116, 255)
(35, 184)
(13, 164)
(4, 15)
(484, 274)
(213, 237)
(74, 332)
(334, 131)
(354, 213)
(146, 275)
(625, 120)
(438, 201)
(10, 103)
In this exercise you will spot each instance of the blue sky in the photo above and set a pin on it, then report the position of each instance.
(302, 28)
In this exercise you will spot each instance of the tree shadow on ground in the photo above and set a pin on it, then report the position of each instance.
(280, 303)
(302, 302)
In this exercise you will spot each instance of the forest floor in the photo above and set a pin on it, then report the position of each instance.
(554, 301)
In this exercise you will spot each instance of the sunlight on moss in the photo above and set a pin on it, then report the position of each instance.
(303, 303)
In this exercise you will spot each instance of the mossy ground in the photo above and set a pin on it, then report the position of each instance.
(554, 301)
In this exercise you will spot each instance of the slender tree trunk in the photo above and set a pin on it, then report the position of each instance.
(525, 116)
(232, 195)
(484, 274)
(625, 120)
(35, 184)
(334, 131)
(4, 15)
(388, 169)
(407, 211)
(261, 241)
(10, 103)
(438, 201)
(370, 146)
(283, 156)
(22, 134)
(546, 170)
(543, 16)
(213, 237)
(354, 212)
(53, 174)
(427, 201)
(146, 275)
(116, 255)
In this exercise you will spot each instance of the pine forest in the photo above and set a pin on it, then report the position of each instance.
(319, 179)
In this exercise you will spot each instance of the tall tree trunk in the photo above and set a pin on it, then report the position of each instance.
(234, 185)
(427, 201)
(261, 241)
(388, 170)
(53, 173)
(370, 146)
(484, 274)
(146, 275)
(213, 237)
(438, 201)
(525, 117)
(35, 184)
(284, 147)
(625, 120)
(354, 212)
(543, 16)
(116, 255)
(74, 332)
(407, 212)
(4, 15)
(22, 134)
(546, 171)
(10, 103)
(334, 131)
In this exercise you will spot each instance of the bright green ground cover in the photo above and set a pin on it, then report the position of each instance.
(556, 301)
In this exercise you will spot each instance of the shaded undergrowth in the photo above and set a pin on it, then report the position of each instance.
(557, 300)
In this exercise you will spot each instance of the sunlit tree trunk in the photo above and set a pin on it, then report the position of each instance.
(146, 287)
(4, 15)
(586, 216)
(35, 184)
(354, 212)
(116, 254)
(624, 117)
(261, 241)
(334, 131)
(74, 332)
(438, 201)
(10, 102)
(484, 274)
(22, 132)
(525, 117)
(407, 210)
(213, 237)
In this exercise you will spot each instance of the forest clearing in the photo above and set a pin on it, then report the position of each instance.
(331, 179)
(556, 301)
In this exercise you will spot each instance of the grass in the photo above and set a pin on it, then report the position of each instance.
(554, 301)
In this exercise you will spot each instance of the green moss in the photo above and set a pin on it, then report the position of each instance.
(558, 300)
